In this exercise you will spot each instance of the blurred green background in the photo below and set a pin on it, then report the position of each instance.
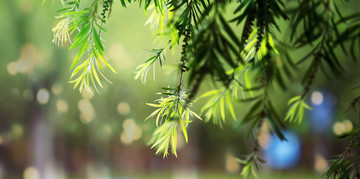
(50, 131)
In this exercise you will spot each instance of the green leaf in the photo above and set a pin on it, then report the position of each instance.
(296, 110)
(182, 123)
(79, 54)
(248, 82)
(230, 106)
(96, 76)
(210, 93)
(292, 100)
(77, 69)
(174, 142)
(193, 113)
(271, 42)
(153, 114)
(245, 171)
(253, 171)
(81, 37)
(153, 105)
(97, 41)
(222, 109)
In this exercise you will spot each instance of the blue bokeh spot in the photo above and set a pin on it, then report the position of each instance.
(283, 154)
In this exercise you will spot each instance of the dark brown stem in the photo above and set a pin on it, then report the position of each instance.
(106, 8)
(311, 78)
(183, 56)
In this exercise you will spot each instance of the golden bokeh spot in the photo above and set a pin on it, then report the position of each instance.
(26, 62)
(338, 128)
(62, 106)
(24, 66)
(264, 135)
(56, 89)
(131, 132)
(231, 165)
(348, 125)
(129, 125)
(343, 127)
(123, 108)
(320, 163)
(43, 96)
(87, 94)
(11, 68)
(87, 111)
(85, 106)
(137, 133)
(126, 138)
(31, 173)
(86, 118)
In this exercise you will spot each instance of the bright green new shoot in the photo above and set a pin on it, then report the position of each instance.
(296, 110)
(172, 113)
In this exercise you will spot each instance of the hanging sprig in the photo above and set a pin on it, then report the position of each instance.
(347, 164)
(87, 40)
(258, 15)
(65, 27)
(172, 112)
(257, 47)
(296, 110)
(251, 164)
(160, 19)
(321, 33)
(143, 69)
(220, 99)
